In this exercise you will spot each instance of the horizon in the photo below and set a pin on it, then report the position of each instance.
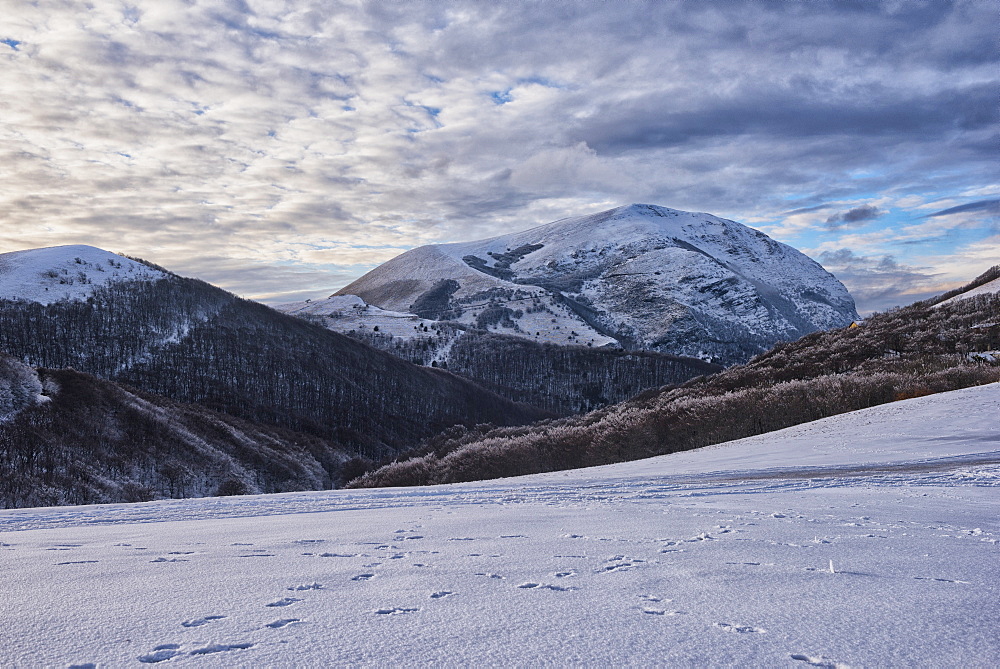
(282, 151)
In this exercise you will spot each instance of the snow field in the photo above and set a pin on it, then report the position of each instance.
(721, 562)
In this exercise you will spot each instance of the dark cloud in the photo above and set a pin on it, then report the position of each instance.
(800, 110)
(988, 206)
(851, 217)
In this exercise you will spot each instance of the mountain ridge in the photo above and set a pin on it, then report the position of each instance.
(641, 277)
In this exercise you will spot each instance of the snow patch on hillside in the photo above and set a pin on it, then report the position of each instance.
(344, 313)
(71, 272)
(986, 289)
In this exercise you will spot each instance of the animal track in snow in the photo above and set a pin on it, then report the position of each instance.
(363, 577)
(163, 559)
(819, 661)
(568, 573)
(284, 601)
(663, 612)
(220, 648)
(440, 594)
(704, 536)
(90, 562)
(618, 563)
(395, 611)
(306, 586)
(488, 574)
(339, 555)
(284, 622)
(198, 622)
(545, 586)
(740, 629)
(161, 653)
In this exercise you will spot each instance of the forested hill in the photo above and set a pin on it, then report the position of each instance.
(193, 342)
(70, 438)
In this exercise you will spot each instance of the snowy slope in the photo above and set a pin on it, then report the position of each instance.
(718, 557)
(986, 289)
(343, 313)
(72, 272)
(643, 276)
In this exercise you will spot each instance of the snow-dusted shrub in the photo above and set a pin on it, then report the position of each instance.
(20, 387)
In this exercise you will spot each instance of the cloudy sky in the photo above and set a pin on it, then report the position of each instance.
(281, 149)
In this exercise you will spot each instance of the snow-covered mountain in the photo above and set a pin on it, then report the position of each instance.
(70, 272)
(639, 276)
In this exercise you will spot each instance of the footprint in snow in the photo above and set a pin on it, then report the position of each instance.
(618, 563)
(284, 622)
(284, 601)
(161, 653)
(306, 586)
(221, 648)
(395, 611)
(363, 577)
(545, 586)
(819, 661)
(441, 594)
(740, 629)
(663, 612)
(198, 622)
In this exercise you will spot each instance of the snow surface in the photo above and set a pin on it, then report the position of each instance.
(985, 289)
(343, 313)
(71, 272)
(720, 556)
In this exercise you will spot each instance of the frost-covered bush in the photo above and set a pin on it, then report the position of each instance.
(20, 387)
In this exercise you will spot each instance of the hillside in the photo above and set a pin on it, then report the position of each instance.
(70, 438)
(908, 352)
(641, 277)
(189, 341)
(987, 283)
(563, 379)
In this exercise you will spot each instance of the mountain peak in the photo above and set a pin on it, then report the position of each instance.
(642, 276)
(72, 271)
